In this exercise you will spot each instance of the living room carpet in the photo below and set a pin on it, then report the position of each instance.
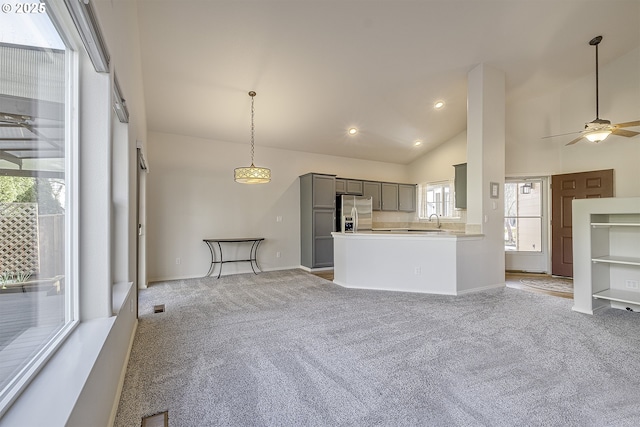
(288, 348)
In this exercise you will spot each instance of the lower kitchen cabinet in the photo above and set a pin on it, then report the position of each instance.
(322, 250)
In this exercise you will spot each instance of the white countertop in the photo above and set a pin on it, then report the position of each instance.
(407, 233)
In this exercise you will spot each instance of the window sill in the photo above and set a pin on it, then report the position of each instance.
(56, 388)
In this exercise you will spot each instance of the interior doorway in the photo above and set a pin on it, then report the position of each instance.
(565, 188)
(526, 235)
(141, 246)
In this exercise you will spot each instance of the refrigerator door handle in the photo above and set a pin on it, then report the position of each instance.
(354, 214)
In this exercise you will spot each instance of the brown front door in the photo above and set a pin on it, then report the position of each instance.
(565, 188)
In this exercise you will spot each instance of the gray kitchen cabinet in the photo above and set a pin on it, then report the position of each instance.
(389, 196)
(373, 190)
(323, 188)
(317, 219)
(323, 226)
(460, 186)
(354, 187)
(348, 186)
(406, 197)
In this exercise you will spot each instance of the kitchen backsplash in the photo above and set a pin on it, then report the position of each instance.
(410, 220)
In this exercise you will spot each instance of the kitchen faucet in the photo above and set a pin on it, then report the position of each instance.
(437, 219)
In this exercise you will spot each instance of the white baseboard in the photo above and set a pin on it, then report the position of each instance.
(484, 288)
(314, 270)
(166, 279)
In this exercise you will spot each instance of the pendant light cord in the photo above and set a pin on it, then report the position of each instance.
(597, 95)
(252, 94)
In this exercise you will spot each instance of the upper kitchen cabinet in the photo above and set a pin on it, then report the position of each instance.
(398, 197)
(460, 186)
(354, 187)
(348, 186)
(323, 190)
(373, 190)
(406, 197)
(389, 196)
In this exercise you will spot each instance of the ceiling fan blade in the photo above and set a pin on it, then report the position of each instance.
(624, 132)
(576, 140)
(628, 124)
(561, 134)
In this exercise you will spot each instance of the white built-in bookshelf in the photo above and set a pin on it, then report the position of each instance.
(606, 254)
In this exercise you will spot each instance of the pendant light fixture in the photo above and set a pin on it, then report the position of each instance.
(252, 174)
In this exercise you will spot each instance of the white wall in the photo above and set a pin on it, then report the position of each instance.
(192, 196)
(437, 165)
(566, 110)
(99, 398)
(119, 23)
(556, 112)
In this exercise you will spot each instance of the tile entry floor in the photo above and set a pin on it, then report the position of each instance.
(512, 280)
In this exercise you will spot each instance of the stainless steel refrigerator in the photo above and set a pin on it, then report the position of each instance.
(355, 213)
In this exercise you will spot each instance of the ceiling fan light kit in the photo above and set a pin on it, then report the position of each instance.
(599, 129)
(598, 136)
(252, 174)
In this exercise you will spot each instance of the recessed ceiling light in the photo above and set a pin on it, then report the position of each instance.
(353, 131)
(438, 105)
(417, 143)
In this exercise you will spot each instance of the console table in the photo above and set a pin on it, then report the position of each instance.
(253, 252)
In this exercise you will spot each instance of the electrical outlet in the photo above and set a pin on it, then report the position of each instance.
(631, 284)
(177, 261)
(278, 254)
(417, 271)
(279, 218)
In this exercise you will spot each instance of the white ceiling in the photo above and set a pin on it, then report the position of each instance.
(320, 67)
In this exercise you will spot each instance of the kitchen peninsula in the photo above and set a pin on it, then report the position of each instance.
(425, 261)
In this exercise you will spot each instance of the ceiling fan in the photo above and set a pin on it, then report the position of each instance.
(599, 129)
(13, 120)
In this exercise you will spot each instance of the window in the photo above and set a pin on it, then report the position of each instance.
(36, 301)
(436, 198)
(523, 216)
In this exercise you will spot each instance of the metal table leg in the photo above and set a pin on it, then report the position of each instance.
(221, 261)
(253, 256)
(213, 259)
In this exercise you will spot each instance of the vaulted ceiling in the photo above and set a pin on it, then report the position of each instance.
(322, 67)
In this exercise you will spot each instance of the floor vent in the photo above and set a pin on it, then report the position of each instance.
(158, 420)
(158, 308)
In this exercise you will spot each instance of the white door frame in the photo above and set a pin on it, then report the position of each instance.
(534, 262)
(142, 170)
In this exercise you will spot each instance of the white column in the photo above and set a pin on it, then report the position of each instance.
(485, 163)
